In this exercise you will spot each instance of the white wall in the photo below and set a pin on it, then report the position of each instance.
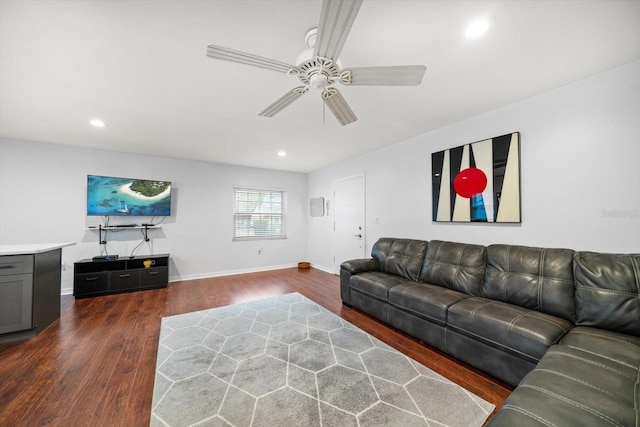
(580, 153)
(580, 173)
(43, 199)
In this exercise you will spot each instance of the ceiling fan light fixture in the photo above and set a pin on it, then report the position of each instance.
(318, 81)
(319, 66)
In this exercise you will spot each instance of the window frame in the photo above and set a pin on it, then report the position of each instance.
(236, 213)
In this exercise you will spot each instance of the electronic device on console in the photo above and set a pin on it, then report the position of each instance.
(105, 257)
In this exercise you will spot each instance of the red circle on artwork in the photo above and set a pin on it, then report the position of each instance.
(470, 182)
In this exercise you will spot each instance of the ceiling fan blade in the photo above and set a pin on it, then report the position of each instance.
(336, 19)
(283, 101)
(224, 53)
(406, 75)
(338, 106)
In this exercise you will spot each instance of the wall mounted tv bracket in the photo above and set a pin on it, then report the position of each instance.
(102, 238)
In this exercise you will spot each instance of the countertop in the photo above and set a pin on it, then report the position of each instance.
(31, 248)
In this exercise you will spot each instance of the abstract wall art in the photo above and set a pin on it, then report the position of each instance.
(478, 182)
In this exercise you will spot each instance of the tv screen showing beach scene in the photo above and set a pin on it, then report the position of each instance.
(107, 195)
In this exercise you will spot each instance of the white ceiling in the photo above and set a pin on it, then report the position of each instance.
(141, 66)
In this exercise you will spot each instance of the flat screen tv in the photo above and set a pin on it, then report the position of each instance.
(108, 195)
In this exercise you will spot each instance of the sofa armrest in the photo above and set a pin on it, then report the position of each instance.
(356, 266)
(353, 267)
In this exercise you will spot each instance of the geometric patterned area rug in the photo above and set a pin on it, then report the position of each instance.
(287, 361)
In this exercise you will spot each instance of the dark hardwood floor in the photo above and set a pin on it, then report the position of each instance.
(96, 365)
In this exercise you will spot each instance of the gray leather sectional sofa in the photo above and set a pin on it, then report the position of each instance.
(563, 326)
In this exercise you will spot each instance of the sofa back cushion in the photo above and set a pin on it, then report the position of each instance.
(608, 291)
(402, 257)
(452, 265)
(540, 279)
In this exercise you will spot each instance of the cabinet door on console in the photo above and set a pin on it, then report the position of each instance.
(123, 280)
(151, 277)
(90, 283)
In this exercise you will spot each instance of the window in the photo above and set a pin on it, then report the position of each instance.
(258, 214)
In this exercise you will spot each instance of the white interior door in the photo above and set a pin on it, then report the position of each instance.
(348, 220)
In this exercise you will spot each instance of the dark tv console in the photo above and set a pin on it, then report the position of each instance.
(111, 276)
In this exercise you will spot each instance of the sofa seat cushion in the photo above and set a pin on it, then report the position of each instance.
(590, 379)
(516, 330)
(622, 349)
(424, 300)
(375, 284)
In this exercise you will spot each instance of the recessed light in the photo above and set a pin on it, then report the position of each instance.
(476, 29)
(281, 153)
(97, 123)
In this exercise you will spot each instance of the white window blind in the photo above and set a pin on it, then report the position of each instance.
(258, 214)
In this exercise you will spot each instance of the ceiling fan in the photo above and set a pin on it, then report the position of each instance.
(319, 67)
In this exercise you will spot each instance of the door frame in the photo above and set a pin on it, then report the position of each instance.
(336, 268)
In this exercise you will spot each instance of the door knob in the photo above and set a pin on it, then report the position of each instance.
(358, 235)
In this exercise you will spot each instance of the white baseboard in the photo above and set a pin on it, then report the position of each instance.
(229, 272)
(323, 268)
